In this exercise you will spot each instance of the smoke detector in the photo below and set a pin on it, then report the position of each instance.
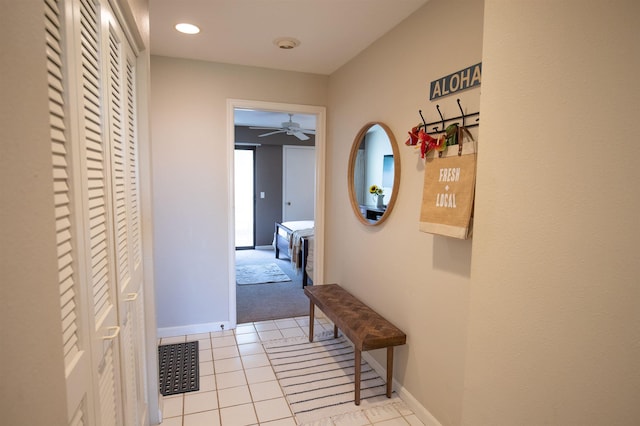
(286, 43)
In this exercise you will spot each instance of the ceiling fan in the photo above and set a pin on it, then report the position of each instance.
(288, 127)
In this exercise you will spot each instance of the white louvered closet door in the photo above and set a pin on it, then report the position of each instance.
(92, 102)
(74, 325)
(92, 37)
(124, 181)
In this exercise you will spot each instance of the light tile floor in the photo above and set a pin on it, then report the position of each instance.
(238, 386)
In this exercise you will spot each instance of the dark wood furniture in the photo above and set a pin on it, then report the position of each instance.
(281, 243)
(372, 213)
(362, 325)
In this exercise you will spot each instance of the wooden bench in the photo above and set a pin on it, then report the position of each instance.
(362, 325)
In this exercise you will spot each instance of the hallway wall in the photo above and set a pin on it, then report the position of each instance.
(537, 319)
(554, 313)
(418, 281)
(191, 180)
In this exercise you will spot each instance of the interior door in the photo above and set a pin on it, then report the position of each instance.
(73, 294)
(121, 95)
(298, 182)
(97, 214)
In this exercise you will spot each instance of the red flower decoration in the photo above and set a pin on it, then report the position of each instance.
(427, 143)
(413, 137)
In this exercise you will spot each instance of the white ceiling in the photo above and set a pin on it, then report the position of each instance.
(242, 32)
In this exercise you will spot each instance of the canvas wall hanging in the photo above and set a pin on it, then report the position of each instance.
(449, 185)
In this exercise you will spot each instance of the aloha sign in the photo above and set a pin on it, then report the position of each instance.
(459, 80)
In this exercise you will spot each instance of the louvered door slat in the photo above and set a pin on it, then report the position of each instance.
(132, 159)
(107, 394)
(118, 158)
(67, 297)
(59, 152)
(78, 418)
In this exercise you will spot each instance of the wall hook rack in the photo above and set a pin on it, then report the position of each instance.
(443, 121)
(424, 122)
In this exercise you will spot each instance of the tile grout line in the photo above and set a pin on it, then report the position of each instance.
(319, 324)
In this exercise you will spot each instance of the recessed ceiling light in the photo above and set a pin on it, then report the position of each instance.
(187, 28)
(286, 43)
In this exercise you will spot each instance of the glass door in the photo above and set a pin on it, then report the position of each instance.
(244, 166)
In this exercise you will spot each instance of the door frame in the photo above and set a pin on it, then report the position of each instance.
(320, 143)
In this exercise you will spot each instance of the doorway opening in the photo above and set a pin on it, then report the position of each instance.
(258, 302)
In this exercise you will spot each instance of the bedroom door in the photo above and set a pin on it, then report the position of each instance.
(298, 182)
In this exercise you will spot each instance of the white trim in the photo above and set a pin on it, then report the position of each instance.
(320, 143)
(208, 327)
(418, 409)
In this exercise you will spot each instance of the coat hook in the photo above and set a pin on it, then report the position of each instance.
(424, 123)
(441, 117)
(461, 111)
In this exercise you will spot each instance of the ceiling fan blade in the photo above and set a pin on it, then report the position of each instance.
(265, 128)
(271, 133)
(309, 131)
(300, 136)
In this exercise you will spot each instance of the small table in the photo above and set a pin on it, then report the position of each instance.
(362, 325)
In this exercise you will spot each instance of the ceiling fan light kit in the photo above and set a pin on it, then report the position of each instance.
(286, 43)
(290, 128)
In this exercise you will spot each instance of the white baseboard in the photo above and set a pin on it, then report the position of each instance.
(195, 329)
(418, 409)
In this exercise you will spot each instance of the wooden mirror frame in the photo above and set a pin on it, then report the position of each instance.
(351, 174)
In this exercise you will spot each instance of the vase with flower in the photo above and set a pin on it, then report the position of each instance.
(378, 195)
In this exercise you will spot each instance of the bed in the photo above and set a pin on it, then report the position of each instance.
(294, 238)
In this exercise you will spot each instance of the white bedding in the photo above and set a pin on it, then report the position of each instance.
(298, 225)
(301, 229)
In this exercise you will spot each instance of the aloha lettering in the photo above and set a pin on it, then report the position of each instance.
(446, 200)
(460, 80)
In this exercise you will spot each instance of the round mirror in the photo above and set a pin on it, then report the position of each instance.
(374, 173)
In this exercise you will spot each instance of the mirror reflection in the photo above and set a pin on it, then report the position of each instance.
(373, 173)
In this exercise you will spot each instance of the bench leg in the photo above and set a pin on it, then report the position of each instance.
(335, 331)
(357, 367)
(389, 371)
(311, 320)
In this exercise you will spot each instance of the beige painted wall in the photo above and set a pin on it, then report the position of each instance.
(191, 180)
(418, 281)
(554, 321)
(31, 362)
